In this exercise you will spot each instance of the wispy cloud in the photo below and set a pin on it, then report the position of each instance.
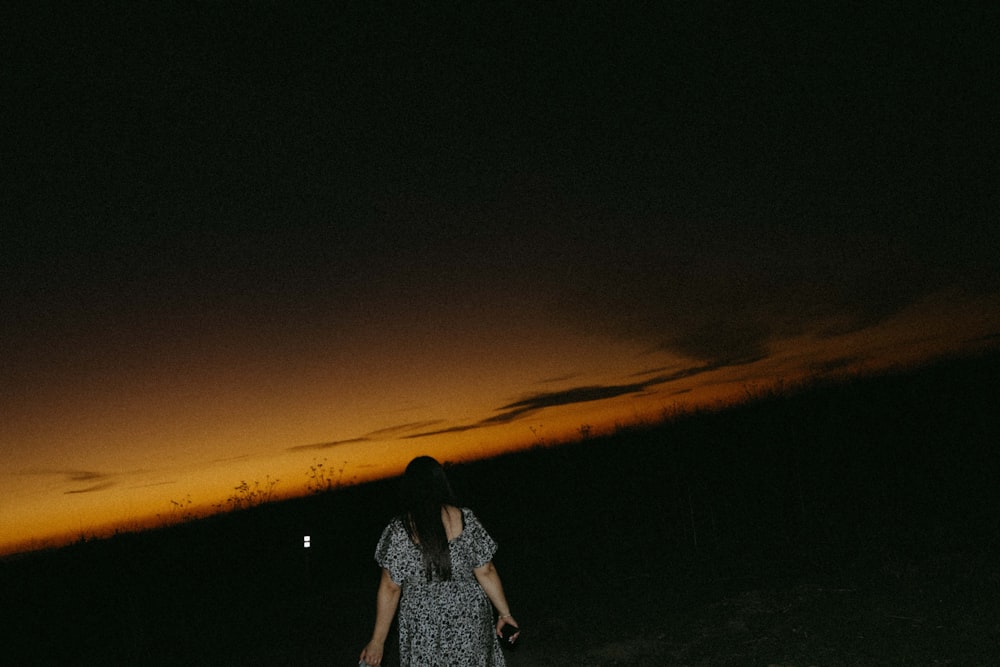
(394, 431)
(380, 434)
(575, 395)
(91, 489)
(553, 380)
(146, 486)
(535, 402)
(77, 475)
(649, 371)
(87, 476)
(325, 445)
(74, 477)
(584, 394)
(444, 431)
(230, 459)
(69, 475)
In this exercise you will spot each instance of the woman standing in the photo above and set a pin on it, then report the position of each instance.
(437, 569)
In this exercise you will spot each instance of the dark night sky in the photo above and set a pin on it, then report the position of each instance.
(200, 197)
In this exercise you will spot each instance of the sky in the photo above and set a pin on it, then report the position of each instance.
(240, 239)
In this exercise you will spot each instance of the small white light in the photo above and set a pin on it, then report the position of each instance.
(305, 542)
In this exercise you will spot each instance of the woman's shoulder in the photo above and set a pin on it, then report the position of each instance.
(477, 537)
(470, 518)
(394, 527)
(394, 535)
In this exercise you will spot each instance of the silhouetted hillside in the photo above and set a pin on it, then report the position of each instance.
(844, 523)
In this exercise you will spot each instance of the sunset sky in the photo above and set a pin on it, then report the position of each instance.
(241, 238)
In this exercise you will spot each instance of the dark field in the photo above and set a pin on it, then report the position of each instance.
(852, 523)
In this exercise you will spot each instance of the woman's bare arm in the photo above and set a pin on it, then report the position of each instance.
(386, 602)
(489, 579)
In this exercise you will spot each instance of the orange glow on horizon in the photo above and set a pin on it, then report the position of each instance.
(132, 466)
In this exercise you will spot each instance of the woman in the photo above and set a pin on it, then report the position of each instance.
(437, 568)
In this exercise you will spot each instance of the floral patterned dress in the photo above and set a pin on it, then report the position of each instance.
(443, 623)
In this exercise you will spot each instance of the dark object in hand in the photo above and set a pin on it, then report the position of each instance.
(507, 632)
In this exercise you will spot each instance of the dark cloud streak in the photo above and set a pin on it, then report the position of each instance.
(326, 445)
(91, 489)
(380, 434)
(586, 394)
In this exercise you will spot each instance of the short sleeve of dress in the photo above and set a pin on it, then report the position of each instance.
(481, 544)
(389, 551)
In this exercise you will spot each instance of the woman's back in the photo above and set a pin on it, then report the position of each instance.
(438, 573)
(443, 621)
(451, 517)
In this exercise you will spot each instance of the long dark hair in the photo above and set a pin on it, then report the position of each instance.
(425, 490)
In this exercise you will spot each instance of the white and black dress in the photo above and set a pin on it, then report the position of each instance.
(443, 623)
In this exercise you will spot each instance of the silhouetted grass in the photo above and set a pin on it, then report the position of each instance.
(840, 523)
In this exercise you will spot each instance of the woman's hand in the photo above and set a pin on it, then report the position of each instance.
(508, 620)
(372, 654)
